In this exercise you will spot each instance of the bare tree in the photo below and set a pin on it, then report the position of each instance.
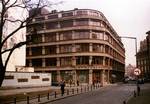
(5, 6)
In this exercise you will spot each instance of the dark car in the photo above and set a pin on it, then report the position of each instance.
(140, 81)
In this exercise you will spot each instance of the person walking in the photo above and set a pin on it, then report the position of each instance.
(138, 90)
(62, 87)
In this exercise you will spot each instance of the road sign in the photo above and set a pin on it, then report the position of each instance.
(137, 71)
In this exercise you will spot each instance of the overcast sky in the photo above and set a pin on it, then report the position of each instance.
(128, 18)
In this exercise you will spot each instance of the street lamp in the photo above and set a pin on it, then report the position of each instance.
(135, 44)
(138, 87)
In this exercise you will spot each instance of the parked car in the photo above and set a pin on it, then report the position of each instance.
(140, 81)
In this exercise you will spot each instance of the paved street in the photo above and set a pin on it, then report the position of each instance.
(108, 95)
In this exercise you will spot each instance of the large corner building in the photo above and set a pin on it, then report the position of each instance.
(76, 45)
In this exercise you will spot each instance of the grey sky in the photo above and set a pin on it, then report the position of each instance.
(128, 18)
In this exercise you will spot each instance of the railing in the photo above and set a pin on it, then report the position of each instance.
(48, 97)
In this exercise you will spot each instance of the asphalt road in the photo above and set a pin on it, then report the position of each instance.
(107, 95)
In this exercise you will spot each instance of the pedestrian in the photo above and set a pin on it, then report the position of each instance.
(62, 87)
(138, 90)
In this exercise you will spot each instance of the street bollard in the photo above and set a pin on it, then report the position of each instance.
(27, 99)
(48, 96)
(38, 98)
(91, 87)
(67, 92)
(81, 89)
(55, 94)
(124, 102)
(134, 94)
(77, 90)
(15, 100)
(72, 91)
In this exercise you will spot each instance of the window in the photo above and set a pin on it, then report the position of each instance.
(51, 37)
(39, 18)
(66, 23)
(66, 61)
(50, 50)
(65, 48)
(53, 16)
(82, 12)
(36, 39)
(36, 51)
(51, 61)
(45, 79)
(37, 62)
(23, 80)
(82, 47)
(82, 22)
(81, 35)
(52, 25)
(98, 48)
(9, 77)
(106, 37)
(97, 60)
(95, 23)
(35, 77)
(67, 14)
(94, 13)
(97, 35)
(82, 60)
(107, 49)
(65, 36)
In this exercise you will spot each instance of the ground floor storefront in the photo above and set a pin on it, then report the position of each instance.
(87, 76)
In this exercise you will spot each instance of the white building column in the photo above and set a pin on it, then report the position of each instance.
(43, 50)
(57, 49)
(58, 62)
(90, 34)
(57, 36)
(73, 61)
(102, 77)
(90, 47)
(90, 76)
(43, 62)
(43, 38)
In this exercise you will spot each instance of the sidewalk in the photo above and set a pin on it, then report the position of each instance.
(144, 97)
(40, 95)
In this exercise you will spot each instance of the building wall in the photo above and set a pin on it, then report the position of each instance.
(26, 79)
(143, 57)
(18, 56)
(75, 45)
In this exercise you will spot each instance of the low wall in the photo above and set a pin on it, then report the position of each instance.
(26, 79)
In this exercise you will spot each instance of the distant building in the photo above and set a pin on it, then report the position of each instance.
(75, 45)
(143, 56)
(129, 71)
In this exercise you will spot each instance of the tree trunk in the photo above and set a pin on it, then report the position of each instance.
(2, 74)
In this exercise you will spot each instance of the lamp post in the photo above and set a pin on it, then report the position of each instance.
(135, 44)
(138, 87)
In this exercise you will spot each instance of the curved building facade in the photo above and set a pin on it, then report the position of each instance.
(76, 45)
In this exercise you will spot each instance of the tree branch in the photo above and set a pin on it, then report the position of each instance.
(12, 49)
